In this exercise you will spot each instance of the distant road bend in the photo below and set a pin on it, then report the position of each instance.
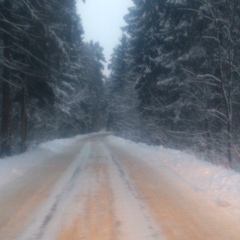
(97, 190)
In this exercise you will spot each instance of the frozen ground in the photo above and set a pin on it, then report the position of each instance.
(16, 166)
(221, 185)
(103, 187)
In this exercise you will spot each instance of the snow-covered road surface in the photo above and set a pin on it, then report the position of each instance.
(96, 189)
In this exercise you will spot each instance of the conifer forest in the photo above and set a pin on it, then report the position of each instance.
(174, 76)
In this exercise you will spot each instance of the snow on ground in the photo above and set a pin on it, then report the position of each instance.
(61, 196)
(138, 223)
(219, 184)
(15, 166)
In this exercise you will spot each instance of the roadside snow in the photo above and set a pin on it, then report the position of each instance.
(218, 184)
(46, 224)
(16, 166)
(59, 145)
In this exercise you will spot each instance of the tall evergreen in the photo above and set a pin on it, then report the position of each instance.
(94, 103)
(44, 76)
(122, 102)
(184, 58)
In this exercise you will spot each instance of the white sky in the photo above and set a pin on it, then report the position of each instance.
(102, 20)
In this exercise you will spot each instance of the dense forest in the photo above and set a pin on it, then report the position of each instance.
(175, 76)
(51, 80)
(174, 81)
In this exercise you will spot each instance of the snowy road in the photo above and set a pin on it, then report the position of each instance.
(99, 190)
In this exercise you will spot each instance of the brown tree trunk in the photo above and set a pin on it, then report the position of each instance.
(6, 78)
(6, 119)
(24, 120)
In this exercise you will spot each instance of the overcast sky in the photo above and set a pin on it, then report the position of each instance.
(102, 20)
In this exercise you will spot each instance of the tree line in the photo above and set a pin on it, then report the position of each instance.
(51, 80)
(175, 76)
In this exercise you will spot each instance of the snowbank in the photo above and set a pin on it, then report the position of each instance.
(15, 166)
(219, 184)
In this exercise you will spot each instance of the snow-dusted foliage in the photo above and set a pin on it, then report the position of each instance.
(184, 59)
(45, 82)
(122, 102)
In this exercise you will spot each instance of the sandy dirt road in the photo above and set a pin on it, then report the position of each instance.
(97, 190)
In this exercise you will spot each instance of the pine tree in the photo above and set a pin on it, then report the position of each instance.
(221, 41)
(94, 90)
(122, 102)
(46, 71)
(184, 55)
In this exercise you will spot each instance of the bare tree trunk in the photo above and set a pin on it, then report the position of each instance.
(229, 142)
(24, 120)
(226, 90)
(208, 138)
(6, 128)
